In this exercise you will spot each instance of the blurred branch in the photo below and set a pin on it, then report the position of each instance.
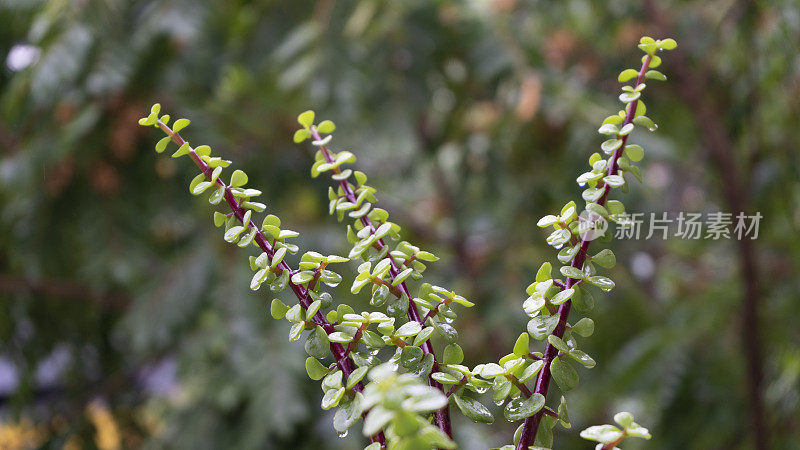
(693, 90)
(60, 288)
(7, 140)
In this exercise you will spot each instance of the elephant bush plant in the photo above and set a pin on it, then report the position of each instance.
(381, 365)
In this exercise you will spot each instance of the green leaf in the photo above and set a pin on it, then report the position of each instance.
(425, 399)
(426, 256)
(332, 398)
(641, 108)
(356, 376)
(501, 387)
(600, 210)
(317, 344)
(521, 408)
(278, 257)
(445, 378)
(565, 376)
(410, 357)
(655, 75)
(583, 327)
(326, 127)
(541, 326)
(296, 331)
(603, 283)
(646, 122)
(626, 130)
(219, 218)
(615, 207)
(376, 419)
(295, 313)
(348, 414)
(258, 279)
(161, 145)
(233, 233)
(372, 339)
(648, 48)
(462, 301)
(563, 416)
(533, 304)
(572, 272)
(340, 337)
(180, 124)
(453, 354)
(446, 331)
(625, 419)
(558, 343)
(605, 434)
(608, 128)
(315, 370)
(359, 284)
(639, 431)
(569, 212)
(401, 277)
(473, 409)
(634, 152)
(201, 187)
(629, 97)
(582, 301)
(627, 74)
(203, 150)
(423, 336)
(492, 370)
(610, 145)
(545, 272)
(238, 178)
(605, 258)
(278, 309)
(562, 296)
(582, 358)
(301, 135)
(306, 119)
(667, 44)
(547, 221)
(302, 277)
(521, 346)
(530, 371)
(410, 328)
(184, 149)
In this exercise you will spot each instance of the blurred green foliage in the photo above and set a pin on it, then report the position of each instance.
(472, 118)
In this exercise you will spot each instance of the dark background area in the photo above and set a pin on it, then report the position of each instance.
(127, 322)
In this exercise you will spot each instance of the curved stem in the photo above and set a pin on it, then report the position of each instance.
(344, 362)
(531, 424)
(442, 416)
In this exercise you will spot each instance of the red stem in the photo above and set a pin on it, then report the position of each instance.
(531, 424)
(611, 445)
(442, 416)
(339, 353)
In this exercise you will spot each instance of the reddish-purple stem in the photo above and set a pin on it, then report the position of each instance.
(442, 416)
(339, 353)
(531, 424)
